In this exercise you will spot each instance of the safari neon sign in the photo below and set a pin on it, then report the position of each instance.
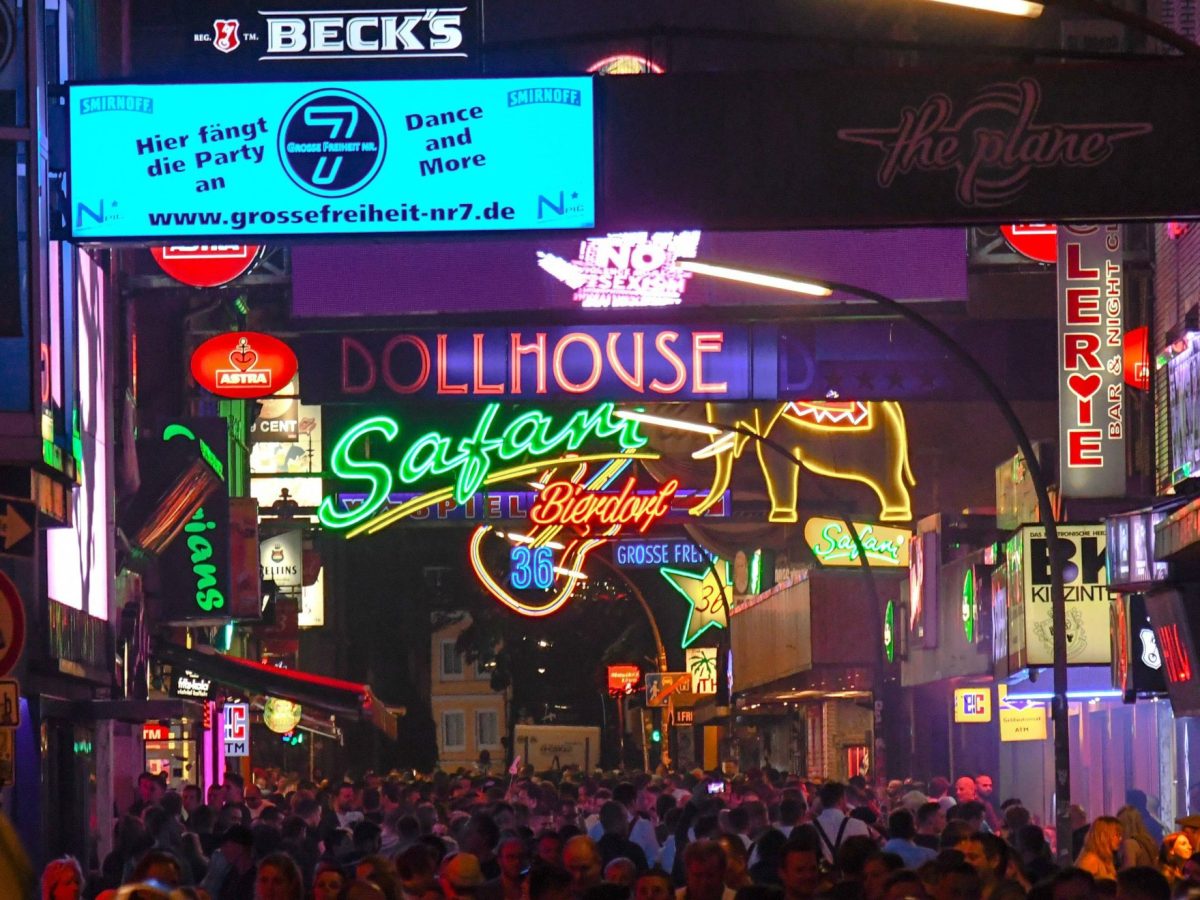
(468, 462)
(833, 545)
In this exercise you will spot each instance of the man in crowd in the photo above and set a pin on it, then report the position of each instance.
(614, 843)
(704, 870)
(833, 824)
(582, 860)
(931, 821)
(902, 828)
(799, 871)
(510, 885)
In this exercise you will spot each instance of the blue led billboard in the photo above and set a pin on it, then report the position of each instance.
(151, 162)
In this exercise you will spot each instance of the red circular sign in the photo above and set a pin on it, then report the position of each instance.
(206, 265)
(12, 625)
(1036, 240)
(243, 365)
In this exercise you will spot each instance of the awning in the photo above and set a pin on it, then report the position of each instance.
(319, 691)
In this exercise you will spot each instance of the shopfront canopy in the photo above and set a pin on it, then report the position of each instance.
(344, 698)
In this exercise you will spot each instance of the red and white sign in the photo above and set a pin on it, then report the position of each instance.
(623, 678)
(206, 265)
(236, 720)
(243, 365)
(12, 625)
(156, 731)
(1091, 389)
(1036, 240)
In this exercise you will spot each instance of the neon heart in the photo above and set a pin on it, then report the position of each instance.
(1084, 386)
(242, 356)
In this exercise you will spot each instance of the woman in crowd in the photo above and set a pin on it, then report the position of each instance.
(1176, 850)
(278, 879)
(1137, 846)
(328, 881)
(62, 879)
(1100, 847)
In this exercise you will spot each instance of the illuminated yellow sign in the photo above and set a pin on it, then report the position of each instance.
(859, 441)
(833, 545)
(973, 704)
(1020, 720)
(281, 716)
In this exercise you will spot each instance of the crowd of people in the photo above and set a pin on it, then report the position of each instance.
(693, 836)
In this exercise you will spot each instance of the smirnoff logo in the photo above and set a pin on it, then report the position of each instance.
(991, 144)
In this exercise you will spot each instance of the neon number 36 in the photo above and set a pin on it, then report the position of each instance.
(531, 567)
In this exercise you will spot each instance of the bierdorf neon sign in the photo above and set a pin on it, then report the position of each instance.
(468, 463)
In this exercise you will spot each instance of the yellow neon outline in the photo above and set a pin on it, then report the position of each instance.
(406, 509)
(891, 422)
(576, 551)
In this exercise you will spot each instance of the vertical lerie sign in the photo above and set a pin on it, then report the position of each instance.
(1091, 391)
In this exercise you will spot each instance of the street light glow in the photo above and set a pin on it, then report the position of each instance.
(759, 279)
(667, 422)
(1024, 8)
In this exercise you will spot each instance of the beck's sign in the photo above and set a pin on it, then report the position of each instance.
(239, 40)
(163, 161)
(1091, 386)
(618, 362)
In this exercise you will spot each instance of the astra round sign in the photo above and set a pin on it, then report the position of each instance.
(1036, 240)
(206, 265)
(243, 365)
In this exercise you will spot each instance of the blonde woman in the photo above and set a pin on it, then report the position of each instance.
(1138, 847)
(1100, 847)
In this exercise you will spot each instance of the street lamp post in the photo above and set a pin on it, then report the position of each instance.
(1059, 711)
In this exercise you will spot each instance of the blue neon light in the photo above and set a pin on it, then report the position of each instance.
(366, 157)
(531, 567)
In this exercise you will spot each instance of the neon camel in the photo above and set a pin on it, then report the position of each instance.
(827, 438)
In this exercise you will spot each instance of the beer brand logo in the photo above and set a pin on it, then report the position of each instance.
(991, 145)
(242, 358)
(276, 554)
(225, 35)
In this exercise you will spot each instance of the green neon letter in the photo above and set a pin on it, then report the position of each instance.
(376, 473)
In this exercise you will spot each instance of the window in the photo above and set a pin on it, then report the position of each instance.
(454, 731)
(487, 728)
(452, 661)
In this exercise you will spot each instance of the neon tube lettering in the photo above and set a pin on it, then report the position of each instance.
(430, 454)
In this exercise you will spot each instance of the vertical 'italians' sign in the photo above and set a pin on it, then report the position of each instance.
(1091, 392)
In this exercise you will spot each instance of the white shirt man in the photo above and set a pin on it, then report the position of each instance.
(833, 825)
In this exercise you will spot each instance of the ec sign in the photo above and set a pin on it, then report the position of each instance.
(973, 704)
(237, 729)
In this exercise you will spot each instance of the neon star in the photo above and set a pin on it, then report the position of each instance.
(704, 592)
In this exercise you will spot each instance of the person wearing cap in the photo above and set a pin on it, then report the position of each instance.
(461, 876)
(231, 873)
